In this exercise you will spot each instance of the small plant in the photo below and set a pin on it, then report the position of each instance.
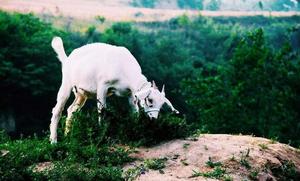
(263, 146)
(227, 178)
(244, 162)
(244, 159)
(212, 164)
(274, 140)
(101, 19)
(3, 136)
(232, 158)
(287, 171)
(186, 145)
(253, 174)
(183, 161)
(133, 173)
(217, 173)
(155, 164)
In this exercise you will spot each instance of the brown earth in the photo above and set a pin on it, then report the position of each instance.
(240, 157)
(114, 10)
(243, 158)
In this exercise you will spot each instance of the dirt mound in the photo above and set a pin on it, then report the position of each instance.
(216, 157)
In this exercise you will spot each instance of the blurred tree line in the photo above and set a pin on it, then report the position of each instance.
(215, 5)
(221, 73)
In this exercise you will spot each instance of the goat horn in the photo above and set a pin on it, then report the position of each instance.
(171, 106)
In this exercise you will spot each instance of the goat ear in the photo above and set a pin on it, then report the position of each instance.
(154, 85)
(163, 90)
(141, 95)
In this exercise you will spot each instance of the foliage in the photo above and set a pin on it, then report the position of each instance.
(144, 3)
(287, 171)
(223, 76)
(26, 61)
(155, 164)
(213, 5)
(190, 4)
(234, 80)
(255, 93)
(125, 127)
(72, 158)
(216, 173)
(212, 164)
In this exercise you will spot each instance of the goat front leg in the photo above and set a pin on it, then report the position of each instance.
(80, 99)
(62, 97)
(134, 104)
(101, 101)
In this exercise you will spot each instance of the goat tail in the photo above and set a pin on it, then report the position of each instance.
(57, 45)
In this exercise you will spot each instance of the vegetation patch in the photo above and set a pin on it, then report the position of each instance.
(263, 146)
(212, 164)
(217, 173)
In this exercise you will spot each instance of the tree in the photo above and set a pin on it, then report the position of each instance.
(190, 4)
(256, 93)
(213, 5)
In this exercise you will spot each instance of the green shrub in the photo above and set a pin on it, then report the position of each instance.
(254, 94)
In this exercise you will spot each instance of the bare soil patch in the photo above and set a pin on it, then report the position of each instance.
(242, 157)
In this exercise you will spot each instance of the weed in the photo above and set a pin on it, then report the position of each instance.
(274, 140)
(244, 162)
(133, 173)
(80, 156)
(155, 164)
(253, 174)
(287, 171)
(212, 164)
(227, 178)
(183, 161)
(263, 146)
(244, 159)
(217, 173)
(232, 158)
(186, 145)
(3, 136)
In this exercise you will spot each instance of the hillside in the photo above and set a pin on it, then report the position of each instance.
(218, 157)
(117, 10)
(205, 157)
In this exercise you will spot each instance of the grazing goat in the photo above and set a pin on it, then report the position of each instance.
(91, 70)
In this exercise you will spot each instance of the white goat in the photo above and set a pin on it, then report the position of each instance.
(93, 69)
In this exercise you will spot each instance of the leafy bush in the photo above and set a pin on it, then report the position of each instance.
(71, 158)
(255, 93)
(121, 125)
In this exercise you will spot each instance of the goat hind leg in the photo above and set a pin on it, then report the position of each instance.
(78, 103)
(62, 97)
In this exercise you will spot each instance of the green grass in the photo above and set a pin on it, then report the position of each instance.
(216, 173)
(263, 146)
(83, 155)
(89, 152)
(212, 164)
(155, 164)
(84, 162)
(186, 145)
(244, 159)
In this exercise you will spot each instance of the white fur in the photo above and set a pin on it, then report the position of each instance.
(93, 69)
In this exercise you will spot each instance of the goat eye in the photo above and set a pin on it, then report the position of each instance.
(150, 101)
